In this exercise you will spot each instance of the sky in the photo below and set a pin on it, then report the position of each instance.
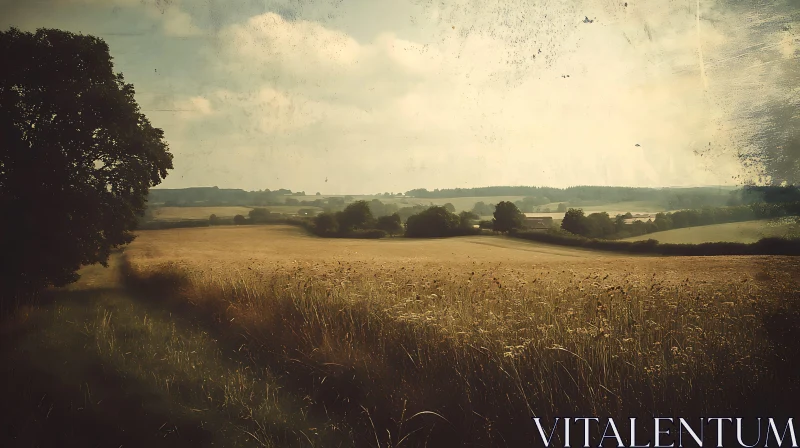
(367, 96)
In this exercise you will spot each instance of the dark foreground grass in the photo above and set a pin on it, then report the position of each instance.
(104, 368)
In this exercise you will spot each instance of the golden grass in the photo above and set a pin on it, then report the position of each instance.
(463, 340)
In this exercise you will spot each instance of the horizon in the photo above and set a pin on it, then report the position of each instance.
(731, 187)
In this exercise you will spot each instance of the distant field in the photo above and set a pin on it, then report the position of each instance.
(737, 232)
(289, 209)
(177, 213)
(229, 244)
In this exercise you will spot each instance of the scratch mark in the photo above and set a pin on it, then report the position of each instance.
(700, 51)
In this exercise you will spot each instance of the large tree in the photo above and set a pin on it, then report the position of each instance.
(391, 224)
(355, 216)
(436, 221)
(77, 160)
(507, 217)
(574, 221)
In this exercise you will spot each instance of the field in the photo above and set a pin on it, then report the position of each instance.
(179, 213)
(267, 336)
(736, 232)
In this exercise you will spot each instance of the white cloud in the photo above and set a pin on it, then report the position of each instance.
(176, 23)
(463, 98)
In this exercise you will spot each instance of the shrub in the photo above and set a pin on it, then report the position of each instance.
(366, 234)
(433, 222)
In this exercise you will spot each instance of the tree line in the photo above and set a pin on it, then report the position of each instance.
(358, 221)
(601, 226)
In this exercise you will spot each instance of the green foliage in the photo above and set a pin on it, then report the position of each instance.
(434, 222)
(507, 217)
(356, 215)
(466, 219)
(366, 234)
(239, 220)
(390, 224)
(562, 208)
(77, 161)
(326, 224)
(599, 225)
(259, 215)
(450, 207)
(574, 221)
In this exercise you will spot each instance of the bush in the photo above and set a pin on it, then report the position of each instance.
(163, 225)
(433, 222)
(390, 224)
(325, 224)
(366, 234)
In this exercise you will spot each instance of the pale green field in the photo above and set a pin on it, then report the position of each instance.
(178, 213)
(736, 232)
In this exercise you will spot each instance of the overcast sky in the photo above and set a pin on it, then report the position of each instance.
(365, 96)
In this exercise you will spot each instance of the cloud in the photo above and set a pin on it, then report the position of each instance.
(472, 92)
(177, 23)
(465, 96)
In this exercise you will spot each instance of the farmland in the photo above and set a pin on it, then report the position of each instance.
(188, 213)
(738, 232)
(179, 213)
(265, 335)
(338, 342)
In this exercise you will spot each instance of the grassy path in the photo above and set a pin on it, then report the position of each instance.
(96, 365)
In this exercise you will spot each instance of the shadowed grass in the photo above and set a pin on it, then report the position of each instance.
(97, 368)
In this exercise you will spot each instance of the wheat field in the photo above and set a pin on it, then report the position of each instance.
(464, 339)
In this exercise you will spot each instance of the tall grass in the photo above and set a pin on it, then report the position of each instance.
(409, 355)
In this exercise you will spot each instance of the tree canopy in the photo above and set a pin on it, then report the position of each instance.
(356, 215)
(434, 222)
(391, 224)
(78, 157)
(507, 217)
